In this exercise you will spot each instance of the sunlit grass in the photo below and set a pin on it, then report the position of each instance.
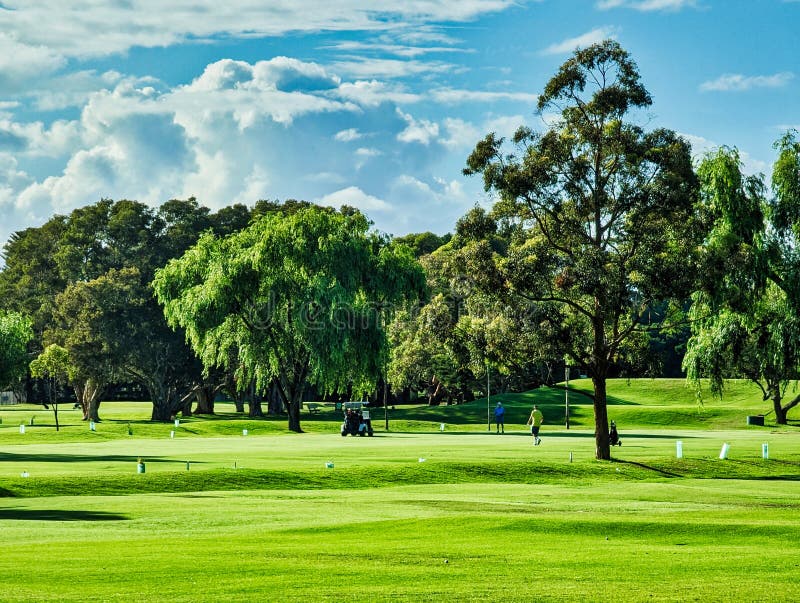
(415, 513)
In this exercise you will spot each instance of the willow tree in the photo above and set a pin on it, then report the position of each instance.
(296, 298)
(605, 211)
(745, 313)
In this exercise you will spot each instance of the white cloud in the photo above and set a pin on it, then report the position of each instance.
(364, 154)
(647, 5)
(371, 93)
(422, 131)
(399, 50)
(12, 180)
(355, 197)
(364, 68)
(702, 146)
(505, 125)
(35, 140)
(21, 62)
(100, 27)
(348, 135)
(368, 152)
(74, 89)
(734, 82)
(439, 192)
(460, 134)
(582, 41)
(453, 96)
(280, 89)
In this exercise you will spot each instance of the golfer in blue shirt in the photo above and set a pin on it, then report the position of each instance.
(499, 417)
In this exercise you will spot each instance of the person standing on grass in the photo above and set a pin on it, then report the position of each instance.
(535, 421)
(499, 417)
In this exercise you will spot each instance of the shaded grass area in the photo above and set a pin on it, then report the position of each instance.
(638, 403)
(409, 474)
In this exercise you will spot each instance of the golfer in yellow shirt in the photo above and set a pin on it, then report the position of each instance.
(535, 421)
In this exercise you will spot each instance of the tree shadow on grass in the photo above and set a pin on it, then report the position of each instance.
(59, 515)
(545, 434)
(662, 472)
(26, 457)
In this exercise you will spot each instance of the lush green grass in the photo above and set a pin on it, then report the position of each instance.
(412, 514)
(690, 540)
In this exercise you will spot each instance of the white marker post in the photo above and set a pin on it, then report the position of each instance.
(177, 422)
(441, 427)
(765, 451)
(172, 435)
(92, 426)
(22, 428)
(723, 454)
(679, 449)
(244, 432)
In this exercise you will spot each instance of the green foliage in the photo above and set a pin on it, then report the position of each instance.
(53, 365)
(422, 243)
(16, 331)
(606, 212)
(744, 316)
(298, 296)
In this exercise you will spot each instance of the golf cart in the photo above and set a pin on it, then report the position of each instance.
(356, 420)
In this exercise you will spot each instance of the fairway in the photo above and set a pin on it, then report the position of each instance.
(437, 508)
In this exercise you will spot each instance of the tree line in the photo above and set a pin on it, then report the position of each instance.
(606, 247)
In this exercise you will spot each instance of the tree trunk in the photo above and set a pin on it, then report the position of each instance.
(294, 410)
(254, 403)
(232, 389)
(161, 412)
(165, 404)
(87, 394)
(94, 409)
(602, 442)
(780, 412)
(54, 399)
(79, 388)
(186, 406)
(275, 405)
(205, 400)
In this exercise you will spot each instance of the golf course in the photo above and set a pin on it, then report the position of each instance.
(439, 507)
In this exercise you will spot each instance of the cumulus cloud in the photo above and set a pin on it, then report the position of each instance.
(421, 131)
(22, 62)
(354, 197)
(735, 82)
(230, 135)
(279, 89)
(582, 41)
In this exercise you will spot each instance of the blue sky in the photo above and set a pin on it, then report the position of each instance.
(372, 104)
